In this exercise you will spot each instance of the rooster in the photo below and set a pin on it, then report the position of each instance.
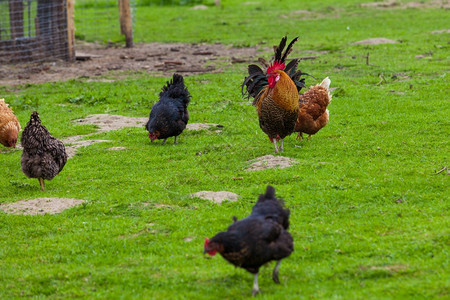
(9, 125)
(275, 93)
(43, 156)
(169, 116)
(313, 113)
(256, 240)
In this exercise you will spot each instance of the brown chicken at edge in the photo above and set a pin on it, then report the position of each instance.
(256, 240)
(275, 94)
(313, 114)
(9, 125)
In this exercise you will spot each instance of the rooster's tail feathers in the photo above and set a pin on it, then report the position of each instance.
(278, 50)
(176, 89)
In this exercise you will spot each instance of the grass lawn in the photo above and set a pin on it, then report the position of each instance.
(369, 214)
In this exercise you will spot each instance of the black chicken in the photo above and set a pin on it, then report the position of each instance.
(169, 116)
(261, 237)
(43, 156)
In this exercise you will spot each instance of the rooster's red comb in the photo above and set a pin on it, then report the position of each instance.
(276, 65)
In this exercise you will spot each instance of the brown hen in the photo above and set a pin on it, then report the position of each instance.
(9, 125)
(313, 114)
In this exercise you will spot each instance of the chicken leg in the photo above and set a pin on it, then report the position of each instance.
(275, 272)
(175, 142)
(281, 146)
(255, 286)
(275, 143)
(41, 181)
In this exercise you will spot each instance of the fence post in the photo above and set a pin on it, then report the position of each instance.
(70, 30)
(16, 18)
(126, 26)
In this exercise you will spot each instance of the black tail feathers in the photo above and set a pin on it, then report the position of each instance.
(34, 118)
(176, 89)
(270, 192)
(270, 196)
(271, 207)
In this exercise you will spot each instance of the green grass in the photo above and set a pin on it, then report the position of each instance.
(369, 215)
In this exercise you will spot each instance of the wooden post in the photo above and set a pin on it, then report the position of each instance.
(70, 30)
(126, 26)
(16, 18)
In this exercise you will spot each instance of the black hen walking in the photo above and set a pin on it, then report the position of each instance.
(258, 239)
(169, 116)
(43, 156)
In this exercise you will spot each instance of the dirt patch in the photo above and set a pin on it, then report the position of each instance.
(387, 268)
(117, 148)
(72, 148)
(216, 197)
(441, 31)
(107, 122)
(404, 5)
(200, 126)
(157, 59)
(271, 162)
(375, 41)
(199, 7)
(40, 206)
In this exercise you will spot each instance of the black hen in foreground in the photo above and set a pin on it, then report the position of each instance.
(43, 156)
(169, 116)
(260, 238)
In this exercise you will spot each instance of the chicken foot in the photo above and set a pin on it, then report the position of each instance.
(275, 143)
(41, 181)
(275, 272)
(280, 149)
(255, 289)
(175, 142)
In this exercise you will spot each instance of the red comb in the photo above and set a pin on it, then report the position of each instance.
(276, 65)
(206, 242)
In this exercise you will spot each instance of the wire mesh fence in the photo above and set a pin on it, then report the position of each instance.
(32, 30)
(37, 30)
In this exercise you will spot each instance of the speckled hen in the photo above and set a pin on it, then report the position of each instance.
(43, 155)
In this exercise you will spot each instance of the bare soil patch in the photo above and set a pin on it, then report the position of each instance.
(157, 59)
(216, 197)
(388, 268)
(375, 41)
(404, 5)
(107, 122)
(40, 206)
(200, 126)
(271, 162)
(117, 148)
(441, 31)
